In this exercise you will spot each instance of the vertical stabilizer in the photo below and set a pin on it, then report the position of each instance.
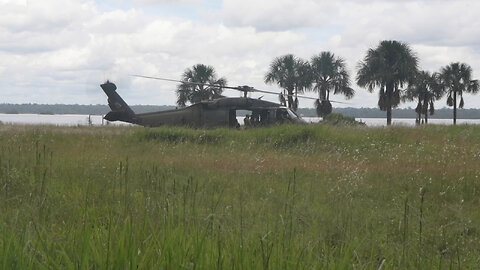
(120, 109)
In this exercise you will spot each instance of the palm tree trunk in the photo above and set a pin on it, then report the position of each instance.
(296, 99)
(389, 115)
(454, 107)
(426, 111)
(418, 118)
(389, 90)
(290, 98)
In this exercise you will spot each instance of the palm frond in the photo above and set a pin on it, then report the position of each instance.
(193, 93)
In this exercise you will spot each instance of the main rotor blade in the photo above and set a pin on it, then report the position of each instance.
(239, 88)
(186, 82)
(333, 101)
(313, 98)
(300, 96)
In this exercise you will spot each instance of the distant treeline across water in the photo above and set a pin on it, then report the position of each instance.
(443, 113)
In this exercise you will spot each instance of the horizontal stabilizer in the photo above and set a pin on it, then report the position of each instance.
(118, 116)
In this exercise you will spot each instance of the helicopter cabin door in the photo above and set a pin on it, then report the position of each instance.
(215, 117)
(232, 118)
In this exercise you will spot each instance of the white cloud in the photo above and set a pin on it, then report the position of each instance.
(47, 16)
(60, 51)
(175, 2)
(279, 14)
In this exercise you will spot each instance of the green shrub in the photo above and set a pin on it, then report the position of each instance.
(340, 119)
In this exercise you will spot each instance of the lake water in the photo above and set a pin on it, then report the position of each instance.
(79, 119)
(377, 122)
(54, 119)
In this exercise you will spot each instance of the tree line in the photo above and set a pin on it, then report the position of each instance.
(32, 108)
(391, 68)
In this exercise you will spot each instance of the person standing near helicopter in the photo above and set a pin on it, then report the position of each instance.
(246, 121)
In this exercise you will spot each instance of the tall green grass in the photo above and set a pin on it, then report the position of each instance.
(290, 197)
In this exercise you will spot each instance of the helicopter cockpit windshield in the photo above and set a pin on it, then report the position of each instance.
(287, 115)
(291, 114)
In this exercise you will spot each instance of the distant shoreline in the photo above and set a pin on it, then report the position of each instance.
(444, 113)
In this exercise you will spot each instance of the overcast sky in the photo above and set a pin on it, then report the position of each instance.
(59, 51)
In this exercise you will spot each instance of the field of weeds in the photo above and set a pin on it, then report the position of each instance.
(285, 197)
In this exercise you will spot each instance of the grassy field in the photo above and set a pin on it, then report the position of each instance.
(285, 197)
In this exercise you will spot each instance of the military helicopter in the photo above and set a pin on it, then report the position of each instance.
(221, 112)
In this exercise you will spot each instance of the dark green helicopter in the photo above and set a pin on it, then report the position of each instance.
(221, 112)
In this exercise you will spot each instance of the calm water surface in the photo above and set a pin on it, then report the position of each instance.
(80, 119)
(54, 119)
(377, 122)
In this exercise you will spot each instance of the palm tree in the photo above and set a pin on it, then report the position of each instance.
(455, 79)
(389, 67)
(426, 89)
(329, 74)
(195, 91)
(292, 74)
(303, 81)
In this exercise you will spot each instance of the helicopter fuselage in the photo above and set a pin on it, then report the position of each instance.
(220, 112)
